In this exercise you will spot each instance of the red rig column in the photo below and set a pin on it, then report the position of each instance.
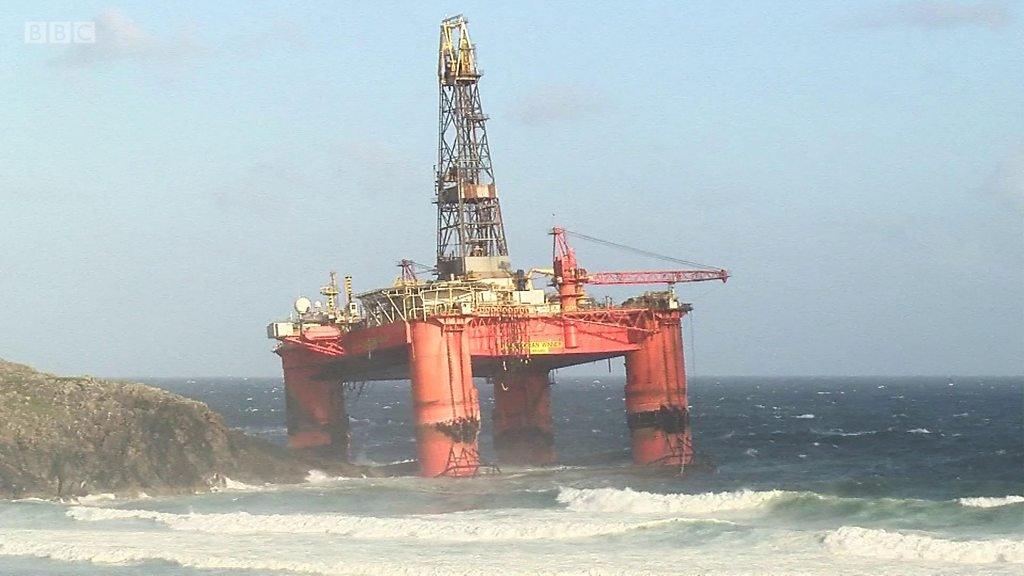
(656, 396)
(523, 431)
(447, 409)
(315, 408)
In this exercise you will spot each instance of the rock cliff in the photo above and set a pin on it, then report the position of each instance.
(66, 437)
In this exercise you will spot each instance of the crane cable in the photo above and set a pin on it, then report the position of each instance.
(421, 266)
(640, 251)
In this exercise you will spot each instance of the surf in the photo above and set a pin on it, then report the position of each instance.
(637, 502)
(895, 545)
(452, 527)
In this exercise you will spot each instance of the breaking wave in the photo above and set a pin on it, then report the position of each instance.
(108, 554)
(457, 527)
(990, 502)
(628, 500)
(899, 546)
(320, 477)
(843, 433)
(228, 485)
(94, 498)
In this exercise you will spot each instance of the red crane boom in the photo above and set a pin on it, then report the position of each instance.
(569, 276)
(654, 276)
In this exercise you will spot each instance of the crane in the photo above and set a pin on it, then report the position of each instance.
(569, 277)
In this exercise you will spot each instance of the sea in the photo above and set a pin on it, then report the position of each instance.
(817, 476)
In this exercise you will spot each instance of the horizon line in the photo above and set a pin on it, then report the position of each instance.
(689, 376)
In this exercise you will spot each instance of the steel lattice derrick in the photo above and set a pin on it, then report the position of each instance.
(470, 232)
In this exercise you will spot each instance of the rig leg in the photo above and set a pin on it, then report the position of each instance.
(445, 401)
(523, 431)
(315, 407)
(656, 397)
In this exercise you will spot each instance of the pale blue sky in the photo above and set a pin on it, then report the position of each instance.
(858, 165)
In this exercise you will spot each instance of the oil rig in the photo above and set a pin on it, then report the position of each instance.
(479, 317)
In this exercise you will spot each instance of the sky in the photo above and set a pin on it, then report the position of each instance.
(858, 166)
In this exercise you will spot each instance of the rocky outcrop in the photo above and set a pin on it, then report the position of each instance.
(66, 437)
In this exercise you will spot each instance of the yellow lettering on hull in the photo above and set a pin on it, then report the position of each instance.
(534, 347)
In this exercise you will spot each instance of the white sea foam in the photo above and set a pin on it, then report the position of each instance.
(919, 431)
(320, 477)
(804, 417)
(210, 552)
(93, 498)
(225, 484)
(841, 432)
(458, 527)
(901, 546)
(235, 485)
(628, 500)
(114, 552)
(990, 502)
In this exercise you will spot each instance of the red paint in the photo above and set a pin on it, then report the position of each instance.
(445, 402)
(655, 276)
(571, 335)
(601, 331)
(315, 406)
(656, 396)
(316, 333)
(523, 429)
(367, 341)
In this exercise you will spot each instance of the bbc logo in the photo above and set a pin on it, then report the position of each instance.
(60, 32)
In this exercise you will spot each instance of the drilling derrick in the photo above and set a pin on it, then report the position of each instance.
(470, 233)
(477, 319)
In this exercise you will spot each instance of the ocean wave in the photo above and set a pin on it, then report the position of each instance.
(94, 498)
(223, 555)
(919, 431)
(843, 433)
(320, 477)
(457, 527)
(628, 500)
(990, 502)
(900, 546)
(110, 553)
(804, 417)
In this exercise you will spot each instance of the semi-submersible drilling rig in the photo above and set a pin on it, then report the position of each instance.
(481, 318)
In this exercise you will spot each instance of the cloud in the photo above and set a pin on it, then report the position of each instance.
(940, 14)
(120, 39)
(1007, 181)
(556, 103)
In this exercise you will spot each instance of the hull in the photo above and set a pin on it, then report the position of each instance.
(441, 355)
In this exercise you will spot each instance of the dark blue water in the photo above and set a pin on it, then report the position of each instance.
(934, 438)
(819, 476)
